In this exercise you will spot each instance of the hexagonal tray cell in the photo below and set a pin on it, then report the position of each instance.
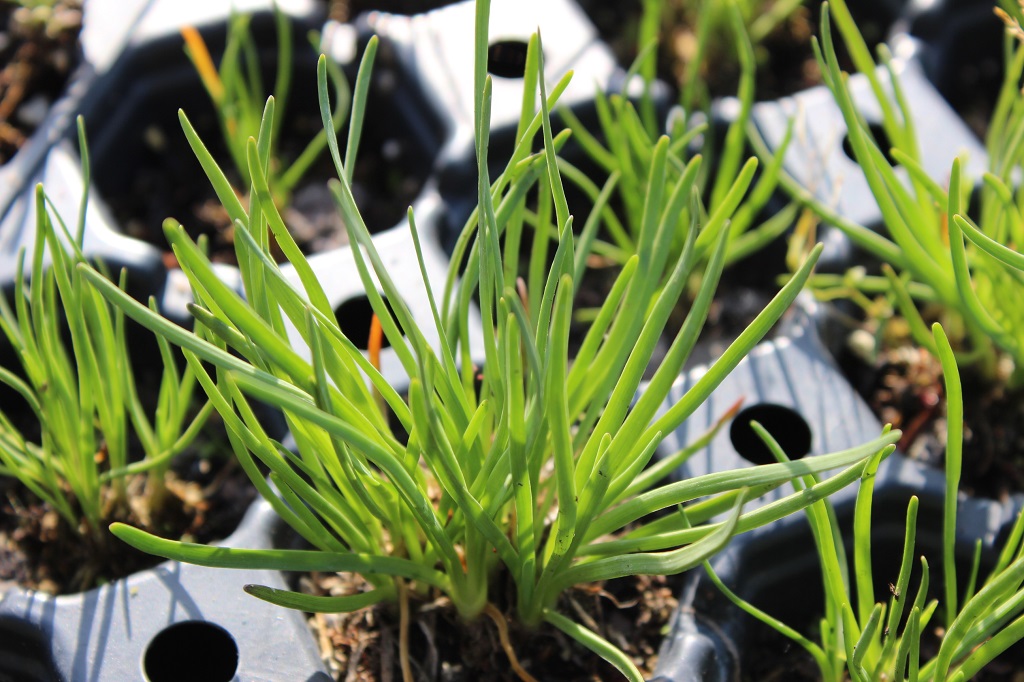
(820, 159)
(787, 81)
(145, 171)
(172, 622)
(794, 389)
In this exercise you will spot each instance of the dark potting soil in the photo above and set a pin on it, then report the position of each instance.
(348, 10)
(385, 183)
(205, 500)
(363, 646)
(146, 172)
(38, 50)
(785, 58)
(904, 387)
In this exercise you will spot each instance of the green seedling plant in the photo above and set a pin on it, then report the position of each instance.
(238, 95)
(529, 466)
(624, 147)
(866, 641)
(715, 36)
(713, 41)
(934, 253)
(84, 396)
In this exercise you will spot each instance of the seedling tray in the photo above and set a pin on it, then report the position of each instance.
(174, 616)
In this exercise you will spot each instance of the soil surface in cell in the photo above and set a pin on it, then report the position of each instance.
(904, 386)
(38, 50)
(205, 499)
(159, 176)
(363, 646)
(785, 58)
(385, 183)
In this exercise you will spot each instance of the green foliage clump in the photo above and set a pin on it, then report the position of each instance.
(533, 467)
(624, 146)
(934, 253)
(84, 397)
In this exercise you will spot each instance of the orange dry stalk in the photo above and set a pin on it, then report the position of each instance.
(373, 347)
(375, 342)
(197, 49)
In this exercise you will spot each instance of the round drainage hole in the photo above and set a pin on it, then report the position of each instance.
(354, 318)
(193, 650)
(877, 133)
(784, 424)
(507, 58)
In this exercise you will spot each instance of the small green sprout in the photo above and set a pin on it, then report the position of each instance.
(865, 641)
(84, 398)
(531, 467)
(628, 135)
(976, 280)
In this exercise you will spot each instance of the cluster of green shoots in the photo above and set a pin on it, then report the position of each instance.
(531, 466)
(713, 42)
(238, 95)
(974, 280)
(536, 466)
(864, 641)
(84, 396)
(934, 252)
(625, 146)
